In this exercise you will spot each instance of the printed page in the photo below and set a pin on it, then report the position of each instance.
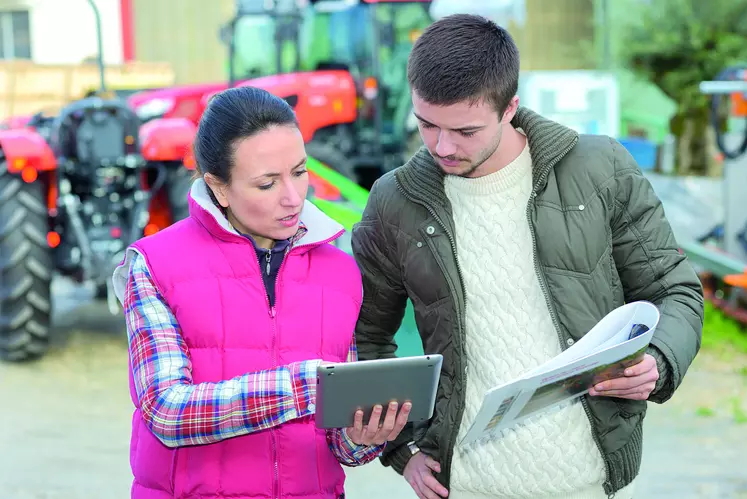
(611, 330)
(575, 380)
(557, 381)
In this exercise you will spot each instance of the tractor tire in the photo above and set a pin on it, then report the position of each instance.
(332, 158)
(178, 184)
(26, 268)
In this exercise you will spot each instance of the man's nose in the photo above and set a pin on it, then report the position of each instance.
(445, 146)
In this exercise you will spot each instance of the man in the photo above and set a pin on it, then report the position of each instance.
(512, 236)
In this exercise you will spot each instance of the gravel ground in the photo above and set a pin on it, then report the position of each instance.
(64, 427)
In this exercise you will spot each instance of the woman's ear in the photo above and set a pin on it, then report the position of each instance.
(218, 187)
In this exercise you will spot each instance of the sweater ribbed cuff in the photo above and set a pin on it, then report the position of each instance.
(665, 374)
(397, 458)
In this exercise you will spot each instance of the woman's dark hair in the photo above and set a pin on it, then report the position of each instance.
(232, 115)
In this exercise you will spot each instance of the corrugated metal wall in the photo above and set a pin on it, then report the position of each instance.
(185, 34)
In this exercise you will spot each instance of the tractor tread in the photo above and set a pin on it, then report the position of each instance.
(26, 269)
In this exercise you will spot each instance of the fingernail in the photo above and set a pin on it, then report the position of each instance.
(407, 406)
(628, 372)
(599, 387)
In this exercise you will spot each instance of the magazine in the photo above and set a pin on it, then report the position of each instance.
(617, 342)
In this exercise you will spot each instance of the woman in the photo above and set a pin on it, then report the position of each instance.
(230, 311)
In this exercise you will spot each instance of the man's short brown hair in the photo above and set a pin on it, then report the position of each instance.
(464, 57)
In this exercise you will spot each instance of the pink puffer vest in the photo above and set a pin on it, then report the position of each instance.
(210, 278)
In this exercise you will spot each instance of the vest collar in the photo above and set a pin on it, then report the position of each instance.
(320, 228)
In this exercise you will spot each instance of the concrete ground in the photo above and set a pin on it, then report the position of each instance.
(65, 422)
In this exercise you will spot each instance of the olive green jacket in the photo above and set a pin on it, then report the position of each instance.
(601, 239)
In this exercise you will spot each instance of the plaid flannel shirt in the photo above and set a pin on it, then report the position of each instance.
(181, 413)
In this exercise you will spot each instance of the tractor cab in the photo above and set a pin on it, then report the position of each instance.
(363, 43)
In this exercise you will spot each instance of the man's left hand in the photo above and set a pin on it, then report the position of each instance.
(637, 383)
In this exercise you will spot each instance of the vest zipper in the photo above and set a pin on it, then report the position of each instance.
(446, 470)
(272, 311)
(543, 284)
(273, 435)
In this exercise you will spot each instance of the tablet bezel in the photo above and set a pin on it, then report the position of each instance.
(344, 387)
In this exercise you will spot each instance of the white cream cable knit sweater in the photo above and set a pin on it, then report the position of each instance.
(510, 331)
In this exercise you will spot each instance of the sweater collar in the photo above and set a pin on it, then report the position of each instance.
(549, 142)
(316, 228)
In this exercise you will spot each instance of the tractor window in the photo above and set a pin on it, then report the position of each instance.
(256, 47)
(254, 41)
(341, 37)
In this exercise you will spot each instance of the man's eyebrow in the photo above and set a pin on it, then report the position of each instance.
(460, 129)
(276, 174)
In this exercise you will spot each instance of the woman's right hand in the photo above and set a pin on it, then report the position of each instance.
(376, 433)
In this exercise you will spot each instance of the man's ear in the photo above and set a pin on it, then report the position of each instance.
(218, 187)
(510, 111)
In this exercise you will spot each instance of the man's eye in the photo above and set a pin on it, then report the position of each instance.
(427, 125)
(468, 134)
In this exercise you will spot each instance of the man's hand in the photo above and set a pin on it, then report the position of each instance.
(419, 474)
(637, 384)
(377, 434)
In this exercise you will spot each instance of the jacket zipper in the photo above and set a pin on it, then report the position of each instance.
(543, 284)
(460, 319)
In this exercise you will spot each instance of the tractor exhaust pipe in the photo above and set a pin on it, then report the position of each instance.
(100, 42)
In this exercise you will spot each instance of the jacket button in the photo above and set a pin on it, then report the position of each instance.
(430, 230)
(570, 341)
(419, 245)
(581, 207)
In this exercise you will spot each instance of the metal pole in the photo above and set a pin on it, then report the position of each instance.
(100, 43)
(232, 52)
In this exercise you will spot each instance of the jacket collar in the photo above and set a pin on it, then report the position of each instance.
(316, 227)
(549, 141)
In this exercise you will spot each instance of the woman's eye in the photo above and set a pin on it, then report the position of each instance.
(301, 172)
(266, 186)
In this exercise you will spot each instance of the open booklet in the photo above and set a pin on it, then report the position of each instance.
(617, 342)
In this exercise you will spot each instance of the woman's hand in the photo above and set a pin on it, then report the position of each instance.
(375, 433)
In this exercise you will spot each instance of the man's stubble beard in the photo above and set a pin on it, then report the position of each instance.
(485, 155)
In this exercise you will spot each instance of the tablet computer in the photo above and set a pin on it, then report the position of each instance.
(343, 388)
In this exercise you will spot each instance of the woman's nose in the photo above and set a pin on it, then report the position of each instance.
(291, 197)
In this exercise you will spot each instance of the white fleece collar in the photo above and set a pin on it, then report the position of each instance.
(319, 226)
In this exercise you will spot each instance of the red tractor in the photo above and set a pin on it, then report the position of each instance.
(75, 190)
(352, 119)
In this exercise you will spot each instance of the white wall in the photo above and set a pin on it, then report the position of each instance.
(64, 31)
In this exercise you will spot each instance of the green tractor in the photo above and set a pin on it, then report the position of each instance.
(370, 39)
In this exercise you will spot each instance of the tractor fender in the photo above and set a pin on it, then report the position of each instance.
(25, 148)
(167, 139)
